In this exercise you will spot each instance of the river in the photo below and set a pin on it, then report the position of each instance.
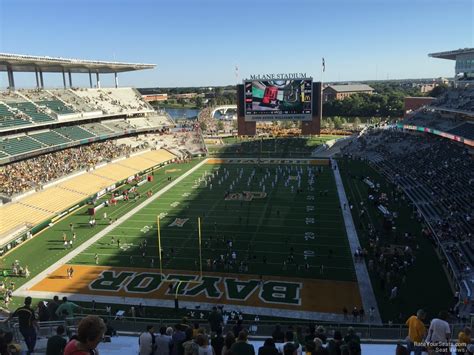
(180, 113)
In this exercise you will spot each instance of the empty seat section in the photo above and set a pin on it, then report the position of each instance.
(34, 112)
(115, 172)
(50, 138)
(158, 156)
(86, 184)
(74, 133)
(8, 119)
(97, 128)
(53, 199)
(138, 163)
(57, 106)
(19, 145)
(14, 215)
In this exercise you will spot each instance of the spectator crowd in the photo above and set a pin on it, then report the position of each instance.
(32, 173)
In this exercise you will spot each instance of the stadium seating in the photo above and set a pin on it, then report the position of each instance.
(465, 130)
(50, 138)
(46, 98)
(434, 120)
(115, 172)
(158, 156)
(44, 204)
(118, 125)
(15, 215)
(437, 174)
(56, 106)
(461, 99)
(136, 163)
(53, 199)
(98, 100)
(74, 133)
(97, 128)
(71, 99)
(32, 111)
(19, 145)
(9, 119)
(129, 99)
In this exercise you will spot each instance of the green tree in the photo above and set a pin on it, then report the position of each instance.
(338, 124)
(220, 125)
(438, 90)
(329, 123)
(198, 102)
(356, 123)
(181, 102)
(203, 126)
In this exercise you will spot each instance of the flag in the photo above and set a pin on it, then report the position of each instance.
(324, 65)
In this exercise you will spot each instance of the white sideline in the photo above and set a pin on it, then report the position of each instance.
(24, 289)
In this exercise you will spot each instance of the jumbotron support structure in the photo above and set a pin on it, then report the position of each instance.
(313, 127)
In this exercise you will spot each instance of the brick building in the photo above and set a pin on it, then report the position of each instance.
(340, 92)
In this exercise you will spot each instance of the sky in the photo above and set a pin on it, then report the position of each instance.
(200, 42)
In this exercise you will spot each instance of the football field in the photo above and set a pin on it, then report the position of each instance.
(271, 233)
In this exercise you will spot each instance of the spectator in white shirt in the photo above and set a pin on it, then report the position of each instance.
(163, 342)
(289, 338)
(439, 333)
(146, 341)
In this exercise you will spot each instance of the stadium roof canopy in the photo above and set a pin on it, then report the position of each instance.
(30, 63)
(351, 87)
(451, 54)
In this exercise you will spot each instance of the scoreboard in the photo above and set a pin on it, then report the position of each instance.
(270, 100)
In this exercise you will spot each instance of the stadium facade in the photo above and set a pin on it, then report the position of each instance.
(464, 58)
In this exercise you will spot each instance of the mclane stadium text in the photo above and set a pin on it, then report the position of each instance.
(278, 76)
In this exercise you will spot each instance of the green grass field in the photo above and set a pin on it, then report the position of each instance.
(270, 147)
(262, 231)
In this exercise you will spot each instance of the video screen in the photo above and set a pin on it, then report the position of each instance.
(278, 99)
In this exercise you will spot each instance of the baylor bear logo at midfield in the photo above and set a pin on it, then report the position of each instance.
(211, 287)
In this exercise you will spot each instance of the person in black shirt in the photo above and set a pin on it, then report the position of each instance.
(56, 343)
(27, 324)
(52, 307)
(268, 348)
(237, 328)
(278, 335)
(215, 320)
(217, 342)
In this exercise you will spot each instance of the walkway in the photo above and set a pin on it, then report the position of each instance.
(363, 279)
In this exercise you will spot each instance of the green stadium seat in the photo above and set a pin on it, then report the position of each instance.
(8, 119)
(74, 133)
(97, 128)
(19, 145)
(50, 138)
(32, 111)
(56, 106)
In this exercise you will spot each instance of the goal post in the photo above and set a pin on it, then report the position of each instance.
(160, 251)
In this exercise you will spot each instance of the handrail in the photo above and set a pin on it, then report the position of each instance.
(258, 330)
